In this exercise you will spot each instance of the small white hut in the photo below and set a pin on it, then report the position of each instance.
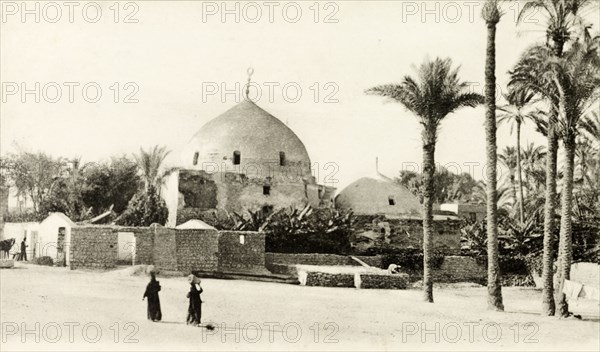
(54, 237)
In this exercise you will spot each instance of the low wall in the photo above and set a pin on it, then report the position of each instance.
(93, 247)
(169, 249)
(394, 282)
(314, 278)
(319, 259)
(242, 252)
(379, 231)
(197, 250)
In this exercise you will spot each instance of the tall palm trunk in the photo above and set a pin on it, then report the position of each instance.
(548, 303)
(428, 171)
(520, 180)
(548, 306)
(565, 243)
(494, 287)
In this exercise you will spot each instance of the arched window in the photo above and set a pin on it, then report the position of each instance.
(282, 158)
(237, 157)
(196, 154)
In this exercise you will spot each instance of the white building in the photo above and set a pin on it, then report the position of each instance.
(54, 237)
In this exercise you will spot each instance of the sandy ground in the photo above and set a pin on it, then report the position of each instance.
(56, 309)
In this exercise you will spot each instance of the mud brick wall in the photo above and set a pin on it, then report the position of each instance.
(314, 278)
(460, 269)
(455, 269)
(396, 281)
(93, 247)
(238, 257)
(319, 259)
(165, 249)
(408, 233)
(144, 247)
(197, 250)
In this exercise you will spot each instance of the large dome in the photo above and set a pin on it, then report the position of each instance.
(249, 134)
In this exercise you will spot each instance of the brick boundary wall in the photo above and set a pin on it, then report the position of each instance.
(94, 247)
(235, 256)
(378, 281)
(170, 250)
(319, 259)
(197, 250)
(315, 278)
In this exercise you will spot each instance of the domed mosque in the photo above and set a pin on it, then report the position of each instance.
(244, 159)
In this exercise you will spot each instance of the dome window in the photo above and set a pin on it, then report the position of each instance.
(266, 190)
(391, 200)
(282, 160)
(195, 162)
(237, 157)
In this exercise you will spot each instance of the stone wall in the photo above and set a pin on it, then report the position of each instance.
(165, 249)
(199, 191)
(236, 256)
(173, 250)
(144, 247)
(319, 259)
(93, 247)
(395, 282)
(197, 250)
(314, 278)
(378, 231)
(455, 269)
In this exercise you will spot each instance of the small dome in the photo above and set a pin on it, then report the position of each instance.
(378, 194)
(249, 134)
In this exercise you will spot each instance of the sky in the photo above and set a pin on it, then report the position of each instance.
(165, 68)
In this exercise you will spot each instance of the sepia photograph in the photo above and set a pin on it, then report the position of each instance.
(306, 175)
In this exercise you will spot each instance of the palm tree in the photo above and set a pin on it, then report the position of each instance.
(515, 113)
(480, 196)
(531, 71)
(433, 95)
(508, 157)
(531, 159)
(590, 126)
(491, 15)
(150, 164)
(577, 77)
(563, 16)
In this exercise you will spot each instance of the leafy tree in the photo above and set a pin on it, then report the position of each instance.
(109, 184)
(66, 194)
(145, 209)
(33, 175)
(436, 93)
(448, 186)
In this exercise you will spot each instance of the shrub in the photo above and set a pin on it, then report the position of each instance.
(144, 209)
(45, 260)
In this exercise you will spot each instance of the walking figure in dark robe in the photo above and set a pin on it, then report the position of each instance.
(195, 306)
(24, 250)
(152, 289)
